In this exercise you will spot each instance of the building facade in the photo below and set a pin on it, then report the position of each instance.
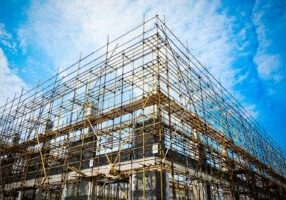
(140, 118)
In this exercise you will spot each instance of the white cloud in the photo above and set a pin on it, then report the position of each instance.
(10, 82)
(268, 66)
(63, 29)
(268, 63)
(252, 110)
(6, 39)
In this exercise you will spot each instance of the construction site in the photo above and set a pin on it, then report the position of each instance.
(139, 118)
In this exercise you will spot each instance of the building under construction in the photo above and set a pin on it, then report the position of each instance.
(140, 118)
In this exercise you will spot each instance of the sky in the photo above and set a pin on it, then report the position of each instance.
(241, 42)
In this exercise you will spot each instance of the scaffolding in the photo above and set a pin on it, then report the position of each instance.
(139, 118)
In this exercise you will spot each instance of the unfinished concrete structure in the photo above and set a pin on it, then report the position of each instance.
(139, 118)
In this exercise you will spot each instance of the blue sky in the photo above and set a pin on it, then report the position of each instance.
(241, 42)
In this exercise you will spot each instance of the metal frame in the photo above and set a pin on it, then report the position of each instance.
(140, 104)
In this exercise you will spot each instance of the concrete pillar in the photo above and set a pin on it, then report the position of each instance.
(19, 196)
(228, 194)
(64, 193)
(89, 110)
(154, 186)
(80, 190)
(196, 136)
(224, 166)
(201, 190)
(200, 151)
(49, 125)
